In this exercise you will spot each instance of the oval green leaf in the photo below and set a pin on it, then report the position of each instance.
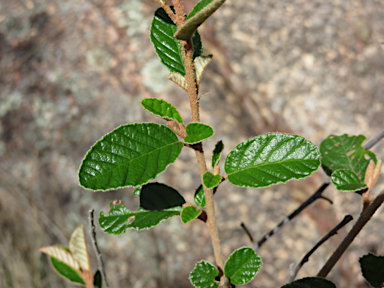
(197, 132)
(216, 155)
(242, 265)
(199, 14)
(372, 267)
(311, 282)
(346, 180)
(189, 213)
(120, 218)
(345, 152)
(130, 155)
(203, 275)
(167, 47)
(66, 271)
(162, 109)
(157, 196)
(211, 180)
(270, 159)
(199, 196)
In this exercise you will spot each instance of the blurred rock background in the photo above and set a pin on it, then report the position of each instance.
(71, 71)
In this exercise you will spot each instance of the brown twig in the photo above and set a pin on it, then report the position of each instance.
(365, 216)
(100, 262)
(345, 221)
(187, 49)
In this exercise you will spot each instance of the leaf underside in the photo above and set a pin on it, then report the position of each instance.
(270, 159)
(130, 155)
(198, 15)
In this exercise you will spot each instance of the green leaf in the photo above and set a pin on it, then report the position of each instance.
(311, 282)
(130, 155)
(270, 159)
(199, 196)
(345, 152)
(211, 180)
(167, 47)
(219, 147)
(117, 221)
(197, 132)
(346, 180)
(157, 196)
(66, 271)
(161, 108)
(97, 280)
(372, 267)
(242, 265)
(189, 213)
(199, 14)
(203, 275)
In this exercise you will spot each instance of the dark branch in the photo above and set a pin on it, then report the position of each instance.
(305, 259)
(92, 231)
(374, 141)
(316, 195)
(247, 231)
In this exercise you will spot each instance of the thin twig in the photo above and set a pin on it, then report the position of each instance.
(315, 196)
(365, 216)
(247, 231)
(92, 231)
(305, 259)
(374, 141)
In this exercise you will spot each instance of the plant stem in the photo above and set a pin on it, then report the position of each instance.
(187, 48)
(92, 231)
(365, 216)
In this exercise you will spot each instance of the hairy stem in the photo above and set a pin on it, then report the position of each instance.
(365, 216)
(187, 48)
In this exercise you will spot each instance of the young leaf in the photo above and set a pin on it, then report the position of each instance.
(167, 47)
(117, 221)
(203, 275)
(157, 196)
(189, 213)
(270, 159)
(161, 108)
(199, 196)
(372, 267)
(61, 255)
(345, 152)
(219, 147)
(197, 132)
(130, 155)
(210, 180)
(346, 180)
(199, 14)
(242, 265)
(79, 250)
(310, 282)
(66, 271)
